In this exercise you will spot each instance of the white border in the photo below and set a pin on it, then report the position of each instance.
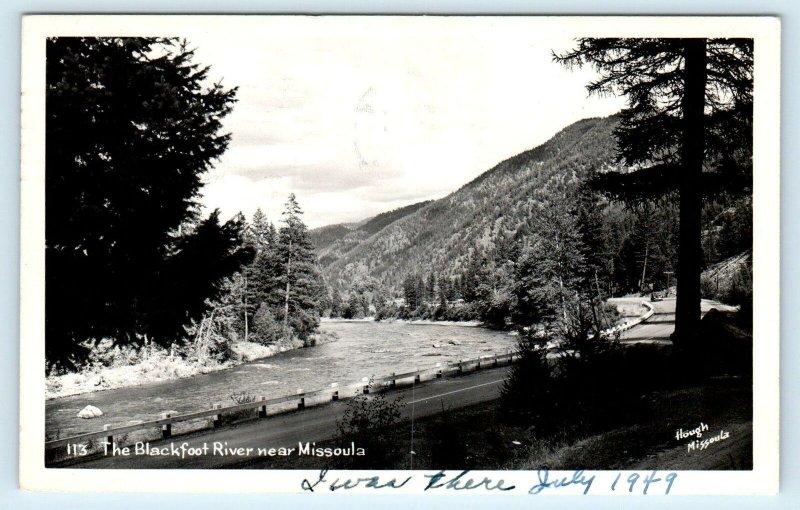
(33, 476)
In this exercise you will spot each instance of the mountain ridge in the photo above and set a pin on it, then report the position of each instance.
(492, 209)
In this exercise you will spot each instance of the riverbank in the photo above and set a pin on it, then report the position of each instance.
(361, 350)
(413, 322)
(118, 368)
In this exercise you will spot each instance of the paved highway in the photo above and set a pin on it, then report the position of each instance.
(319, 423)
(659, 327)
(312, 424)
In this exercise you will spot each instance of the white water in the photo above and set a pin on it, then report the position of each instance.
(364, 349)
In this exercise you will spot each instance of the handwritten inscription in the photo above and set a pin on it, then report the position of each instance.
(461, 482)
(546, 482)
(577, 478)
(646, 482)
(368, 482)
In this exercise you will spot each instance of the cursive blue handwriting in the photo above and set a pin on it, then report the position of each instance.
(370, 482)
(460, 483)
(646, 482)
(578, 478)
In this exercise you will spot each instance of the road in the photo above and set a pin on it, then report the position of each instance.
(659, 327)
(310, 425)
(319, 423)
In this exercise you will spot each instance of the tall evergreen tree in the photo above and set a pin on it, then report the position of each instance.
(336, 303)
(687, 128)
(258, 278)
(260, 232)
(131, 126)
(430, 287)
(552, 266)
(301, 282)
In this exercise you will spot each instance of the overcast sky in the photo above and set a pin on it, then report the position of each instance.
(361, 116)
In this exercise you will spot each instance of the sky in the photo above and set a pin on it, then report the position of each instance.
(358, 116)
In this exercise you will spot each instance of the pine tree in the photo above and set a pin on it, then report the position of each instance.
(552, 266)
(411, 292)
(687, 128)
(301, 282)
(430, 288)
(131, 126)
(260, 232)
(336, 303)
(258, 278)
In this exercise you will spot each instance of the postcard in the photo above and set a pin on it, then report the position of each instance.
(400, 254)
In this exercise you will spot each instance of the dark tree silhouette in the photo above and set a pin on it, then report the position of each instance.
(687, 128)
(130, 129)
(300, 280)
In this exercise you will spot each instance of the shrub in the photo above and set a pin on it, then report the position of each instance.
(266, 329)
(527, 395)
(592, 384)
(368, 421)
(243, 397)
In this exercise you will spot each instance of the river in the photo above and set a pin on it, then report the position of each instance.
(363, 349)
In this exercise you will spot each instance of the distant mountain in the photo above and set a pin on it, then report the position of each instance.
(481, 216)
(323, 237)
(332, 240)
(377, 223)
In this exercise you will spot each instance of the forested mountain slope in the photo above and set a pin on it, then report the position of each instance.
(493, 210)
(332, 241)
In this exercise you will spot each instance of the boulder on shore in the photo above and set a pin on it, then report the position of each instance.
(90, 412)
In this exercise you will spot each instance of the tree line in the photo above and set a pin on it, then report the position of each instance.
(132, 124)
(686, 139)
(278, 294)
(674, 200)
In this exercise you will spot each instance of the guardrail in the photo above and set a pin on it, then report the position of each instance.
(330, 394)
(630, 324)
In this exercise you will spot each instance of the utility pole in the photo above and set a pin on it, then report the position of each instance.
(644, 269)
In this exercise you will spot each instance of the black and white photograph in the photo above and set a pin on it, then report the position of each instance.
(407, 253)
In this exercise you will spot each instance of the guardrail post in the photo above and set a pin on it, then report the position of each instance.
(495, 360)
(438, 370)
(217, 418)
(417, 379)
(335, 395)
(166, 429)
(393, 382)
(459, 368)
(302, 403)
(110, 437)
(478, 366)
(262, 410)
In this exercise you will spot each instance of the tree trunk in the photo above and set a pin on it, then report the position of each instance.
(246, 327)
(687, 313)
(288, 288)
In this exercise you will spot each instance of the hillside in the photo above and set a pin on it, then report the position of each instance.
(333, 240)
(476, 220)
(323, 237)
